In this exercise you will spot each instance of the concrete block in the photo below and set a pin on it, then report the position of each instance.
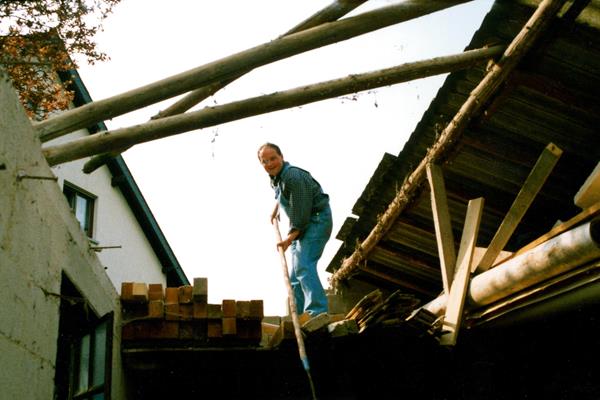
(343, 328)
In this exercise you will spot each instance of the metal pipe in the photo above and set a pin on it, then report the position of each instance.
(562, 253)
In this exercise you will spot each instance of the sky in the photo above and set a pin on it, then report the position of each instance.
(206, 188)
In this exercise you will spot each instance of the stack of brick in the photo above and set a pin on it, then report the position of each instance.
(183, 314)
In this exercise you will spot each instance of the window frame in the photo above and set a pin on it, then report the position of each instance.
(71, 192)
(75, 367)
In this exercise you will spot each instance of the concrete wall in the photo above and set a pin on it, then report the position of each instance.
(39, 239)
(115, 225)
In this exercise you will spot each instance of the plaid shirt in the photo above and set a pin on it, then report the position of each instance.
(302, 193)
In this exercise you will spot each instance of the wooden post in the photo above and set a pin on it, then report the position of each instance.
(538, 175)
(229, 67)
(450, 136)
(443, 225)
(458, 291)
(210, 116)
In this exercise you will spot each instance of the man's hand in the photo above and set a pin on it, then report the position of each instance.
(284, 244)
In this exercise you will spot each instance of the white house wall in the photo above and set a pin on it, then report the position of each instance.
(114, 225)
(39, 240)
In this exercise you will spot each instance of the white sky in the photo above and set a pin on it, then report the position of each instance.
(206, 188)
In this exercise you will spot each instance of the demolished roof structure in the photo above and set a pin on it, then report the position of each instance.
(527, 151)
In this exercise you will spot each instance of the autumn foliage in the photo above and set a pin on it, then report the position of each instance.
(37, 38)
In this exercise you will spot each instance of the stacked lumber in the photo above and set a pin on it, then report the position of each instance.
(373, 310)
(184, 314)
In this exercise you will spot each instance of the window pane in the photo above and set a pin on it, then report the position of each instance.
(99, 355)
(99, 396)
(81, 211)
(84, 363)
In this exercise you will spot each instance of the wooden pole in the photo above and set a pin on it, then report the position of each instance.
(231, 66)
(448, 139)
(332, 12)
(107, 141)
(293, 309)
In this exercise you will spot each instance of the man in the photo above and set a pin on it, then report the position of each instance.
(307, 208)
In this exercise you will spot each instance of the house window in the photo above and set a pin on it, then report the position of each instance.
(82, 204)
(84, 356)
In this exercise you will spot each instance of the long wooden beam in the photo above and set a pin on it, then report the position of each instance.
(229, 67)
(107, 141)
(458, 290)
(448, 139)
(332, 12)
(534, 182)
(442, 224)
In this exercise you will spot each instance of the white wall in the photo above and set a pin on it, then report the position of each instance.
(114, 225)
(39, 240)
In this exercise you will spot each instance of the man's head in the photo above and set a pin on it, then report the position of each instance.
(271, 158)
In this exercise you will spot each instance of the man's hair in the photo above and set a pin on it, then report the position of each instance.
(271, 145)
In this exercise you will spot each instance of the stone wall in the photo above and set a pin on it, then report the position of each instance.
(40, 239)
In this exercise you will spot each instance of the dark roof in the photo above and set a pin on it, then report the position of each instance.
(122, 178)
(551, 97)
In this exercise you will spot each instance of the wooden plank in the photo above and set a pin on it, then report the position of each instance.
(589, 193)
(442, 223)
(458, 291)
(534, 182)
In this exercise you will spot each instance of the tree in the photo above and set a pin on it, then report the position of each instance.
(37, 38)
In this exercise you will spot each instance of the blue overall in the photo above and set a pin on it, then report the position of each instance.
(306, 250)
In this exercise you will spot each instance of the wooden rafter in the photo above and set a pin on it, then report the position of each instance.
(231, 66)
(210, 116)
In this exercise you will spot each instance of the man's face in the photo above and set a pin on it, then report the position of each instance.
(270, 160)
